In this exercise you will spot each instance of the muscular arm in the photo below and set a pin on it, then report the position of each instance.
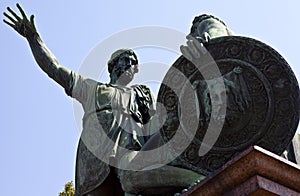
(43, 56)
(49, 64)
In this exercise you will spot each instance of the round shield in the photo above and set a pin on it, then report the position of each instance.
(260, 91)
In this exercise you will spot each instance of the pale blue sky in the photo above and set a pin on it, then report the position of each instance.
(39, 130)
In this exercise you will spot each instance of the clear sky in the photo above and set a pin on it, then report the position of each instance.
(39, 128)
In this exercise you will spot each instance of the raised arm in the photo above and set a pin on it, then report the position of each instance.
(43, 56)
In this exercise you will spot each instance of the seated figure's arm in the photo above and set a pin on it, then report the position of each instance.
(204, 28)
(43, 56)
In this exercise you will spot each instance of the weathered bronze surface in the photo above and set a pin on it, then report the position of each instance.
(262, 109)
(262, 101)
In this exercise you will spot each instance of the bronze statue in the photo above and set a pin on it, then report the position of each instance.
(118, 118)
(115, 111)
(132, 103)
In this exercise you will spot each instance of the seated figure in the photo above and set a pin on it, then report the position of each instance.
(120, 113)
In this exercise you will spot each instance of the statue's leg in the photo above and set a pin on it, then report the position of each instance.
(111, 186)
(154, 142)
(166, 179)
(163, 179)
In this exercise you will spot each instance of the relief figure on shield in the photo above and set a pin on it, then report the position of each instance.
(236, 93)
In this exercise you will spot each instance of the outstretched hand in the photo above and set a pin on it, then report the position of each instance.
(22, 25)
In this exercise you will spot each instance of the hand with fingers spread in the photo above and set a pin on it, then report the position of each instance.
(194, 49)
(204, 28)
(22, 25)
(43, 56)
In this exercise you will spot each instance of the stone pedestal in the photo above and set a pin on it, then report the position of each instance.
(254, 172)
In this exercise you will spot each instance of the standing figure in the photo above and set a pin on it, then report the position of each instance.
(116, 122)
(114, 109)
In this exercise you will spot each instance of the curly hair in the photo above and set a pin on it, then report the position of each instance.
(116, 55)
(203, 17)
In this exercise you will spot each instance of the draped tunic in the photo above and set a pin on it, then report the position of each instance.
(113, 124)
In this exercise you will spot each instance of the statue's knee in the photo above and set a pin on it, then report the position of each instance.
(126, 180)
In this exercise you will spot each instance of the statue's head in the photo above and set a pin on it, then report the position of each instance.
(122, 66)
(209, 24)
